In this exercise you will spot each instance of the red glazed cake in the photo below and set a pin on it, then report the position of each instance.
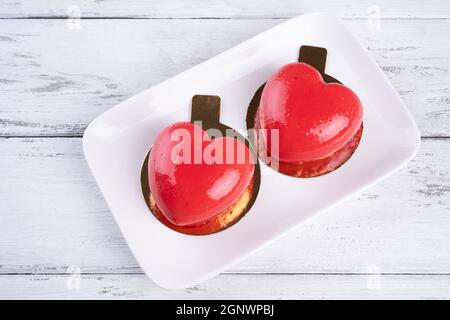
(199, 184)
(318, 125)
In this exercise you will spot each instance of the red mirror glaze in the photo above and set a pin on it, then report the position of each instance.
(192, 193)
(314, 118)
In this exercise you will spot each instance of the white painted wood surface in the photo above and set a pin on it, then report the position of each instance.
(230, 286)
(224, 9)
(397, 226)
(392, 241)
(53, 80)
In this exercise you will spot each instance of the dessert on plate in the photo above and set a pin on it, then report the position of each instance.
(201, 176)
(305, 123)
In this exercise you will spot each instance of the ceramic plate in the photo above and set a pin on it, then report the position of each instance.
(116, 143)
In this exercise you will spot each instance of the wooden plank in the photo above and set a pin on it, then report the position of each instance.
(229, 286)
(55, 80)
(224, 9)
(53, 216)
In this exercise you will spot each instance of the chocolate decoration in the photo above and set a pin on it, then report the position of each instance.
(207, 110)
(315, 57)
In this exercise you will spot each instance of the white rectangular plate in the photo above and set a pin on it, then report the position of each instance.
(116, 143)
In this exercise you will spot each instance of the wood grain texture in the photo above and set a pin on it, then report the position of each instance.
(231, 286)
(391, 241)
(53, 216)
(55, 80)
(224, 9)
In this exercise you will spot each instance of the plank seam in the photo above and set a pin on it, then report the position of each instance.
(206, 18)
(242, 273)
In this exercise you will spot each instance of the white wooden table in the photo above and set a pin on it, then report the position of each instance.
(57, 236)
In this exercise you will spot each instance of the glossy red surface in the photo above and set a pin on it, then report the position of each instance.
(314, 118)
(220, 222)
(191, 180)
(310, 168)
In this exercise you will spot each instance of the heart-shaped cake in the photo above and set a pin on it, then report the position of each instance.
(318, 125)
(194, 178)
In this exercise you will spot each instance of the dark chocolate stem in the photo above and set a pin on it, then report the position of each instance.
(314, 56)
(206, 109)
